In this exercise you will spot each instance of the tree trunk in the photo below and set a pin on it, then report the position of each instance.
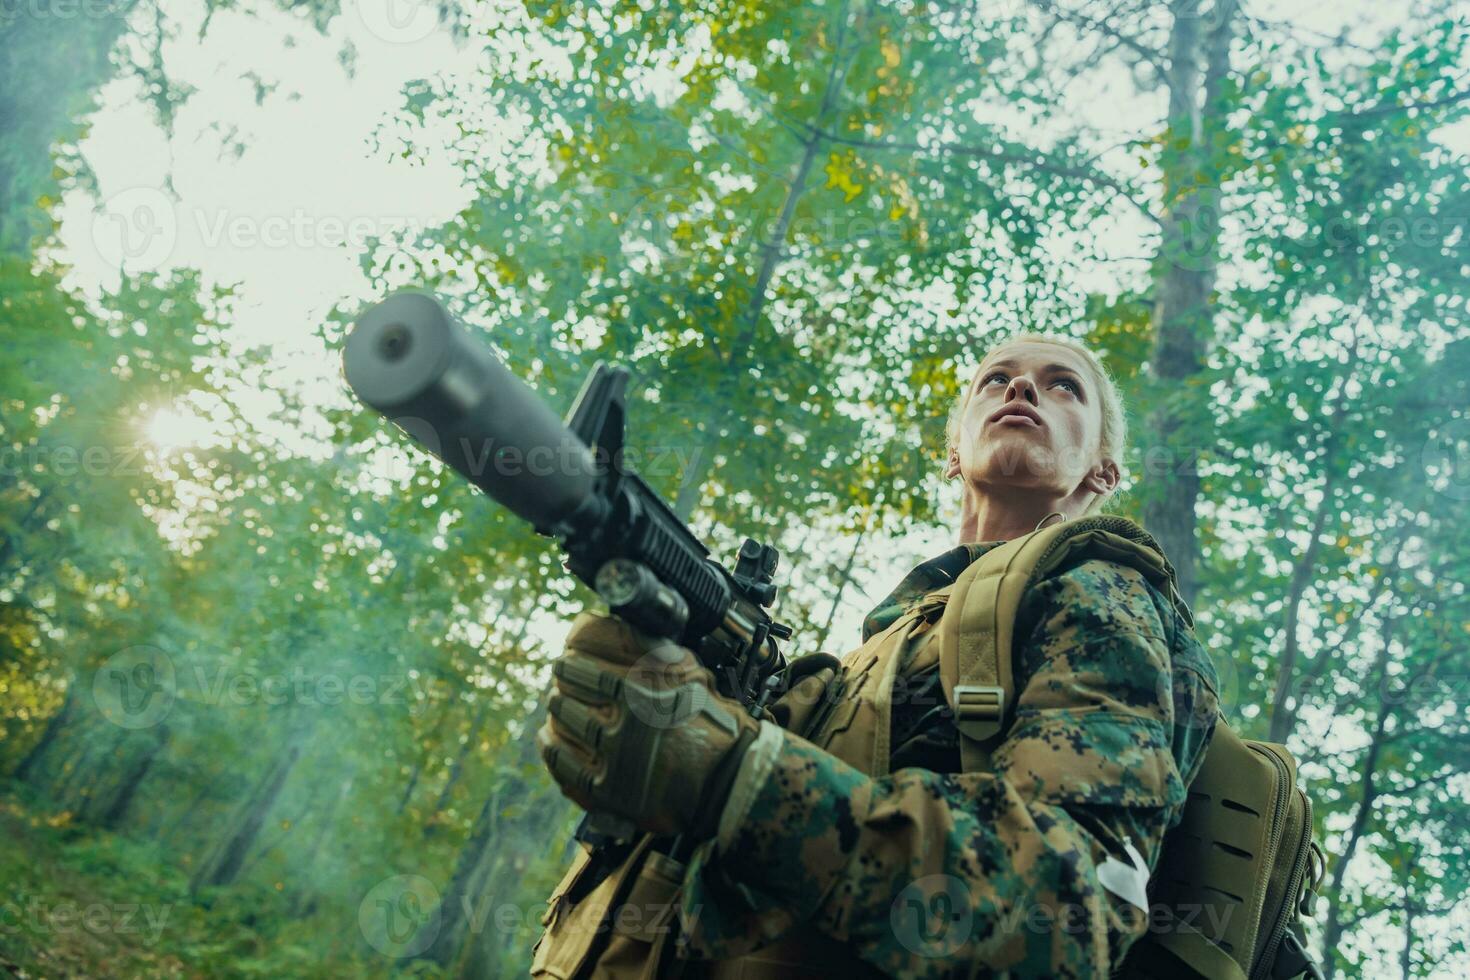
(304, 898)
(452, 920)
(49, 68)
(1184, 277)
(421, 764)
(457, 904)
(1301, 576)
(224, 865)
(115, 812)
(1411, 912)
(772, 251)
(1333, 929)
(502, 880)
(1406, 958)
(456, 768)
(74, 791)
(27, 770)
(413, 781)
(842, 582)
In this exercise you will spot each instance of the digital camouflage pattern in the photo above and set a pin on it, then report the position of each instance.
(936, 873)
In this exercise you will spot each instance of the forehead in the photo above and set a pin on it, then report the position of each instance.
(1031, 354)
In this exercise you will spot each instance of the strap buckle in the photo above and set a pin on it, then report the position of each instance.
(979, 710)
(1293, 960)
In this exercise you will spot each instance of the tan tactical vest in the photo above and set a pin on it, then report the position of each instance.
(966, 628)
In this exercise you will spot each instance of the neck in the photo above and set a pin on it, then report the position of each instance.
(987, 515)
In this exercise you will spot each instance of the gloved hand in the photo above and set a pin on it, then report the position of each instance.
(636, 728)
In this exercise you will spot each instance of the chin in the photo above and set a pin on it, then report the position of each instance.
(1018, 468)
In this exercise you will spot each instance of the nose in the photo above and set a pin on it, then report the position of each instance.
(1022, 386)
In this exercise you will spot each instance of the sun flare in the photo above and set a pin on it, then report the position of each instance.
(170, 429)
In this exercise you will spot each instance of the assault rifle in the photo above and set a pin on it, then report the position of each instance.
(411, 361)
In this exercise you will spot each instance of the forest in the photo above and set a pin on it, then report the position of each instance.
(270, 677)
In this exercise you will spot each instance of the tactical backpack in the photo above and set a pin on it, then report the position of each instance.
(1241, 869)
(1233, 880)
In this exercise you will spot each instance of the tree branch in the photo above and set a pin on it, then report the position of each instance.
(1416, 784)
(999, 151)
(1392, 108)
(1151, 56)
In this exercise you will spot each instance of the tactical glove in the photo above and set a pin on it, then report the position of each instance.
(635, 728)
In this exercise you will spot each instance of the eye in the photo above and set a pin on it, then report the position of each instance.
(1076, 388)
(991, 376)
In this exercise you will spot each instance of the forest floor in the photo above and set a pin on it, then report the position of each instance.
(71, 907)
(80, 902)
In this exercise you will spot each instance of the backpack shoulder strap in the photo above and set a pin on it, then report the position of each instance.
(975, 632)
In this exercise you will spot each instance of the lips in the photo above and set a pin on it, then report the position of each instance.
(1018, 411)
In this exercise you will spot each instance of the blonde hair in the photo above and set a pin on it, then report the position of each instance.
(1114, 440)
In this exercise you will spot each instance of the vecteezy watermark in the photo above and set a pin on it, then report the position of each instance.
(135, 687)
(482, 458)
(1138, 462)
(65, 461)
(398, 21)
(1420, 692)
(97, 918)
(400, 916)
(139, 228)
(136, 229)
(655, 690)
(1423, 230)
(12, 11)
(301, 687)
(1446, 459)
(935, 916)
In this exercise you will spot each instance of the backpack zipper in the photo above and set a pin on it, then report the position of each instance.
(1263, 964)
(1291, 899)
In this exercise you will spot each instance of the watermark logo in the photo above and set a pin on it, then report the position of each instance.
(12, 11)
(657, 690)
(96, 918)
(398, 21)
(301, 687)
(399, 916)
(135, 687)
(140, 229)
(1228, 690)
(136, 228)
(486, 459)
(1446, 459)
(932, 916)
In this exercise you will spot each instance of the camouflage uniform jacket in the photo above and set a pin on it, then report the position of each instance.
(1106, 673)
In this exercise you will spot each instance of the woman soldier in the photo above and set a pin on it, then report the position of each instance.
(864, 838)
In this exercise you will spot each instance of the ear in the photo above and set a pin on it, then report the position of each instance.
(952, 468)
(1103, 478)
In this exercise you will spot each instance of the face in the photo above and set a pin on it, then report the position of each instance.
(1033, 422)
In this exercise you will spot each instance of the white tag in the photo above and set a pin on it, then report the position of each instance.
(1128, 883)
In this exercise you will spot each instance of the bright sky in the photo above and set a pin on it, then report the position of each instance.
(286, 217)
